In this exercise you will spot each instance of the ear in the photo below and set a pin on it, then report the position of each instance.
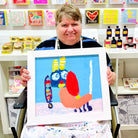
(72, 84)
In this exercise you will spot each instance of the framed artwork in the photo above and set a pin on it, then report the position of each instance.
(3, 2)
(3, 18)
(79, 2)
(50, 17)
(117, 1)
(41, 2)
(17, 18)
(59, 1)
(129, 16)
(36, 17)
(132, 1)
(21, 2)
(67, 86)
(99, 1)
(92, 16)
(110, 16)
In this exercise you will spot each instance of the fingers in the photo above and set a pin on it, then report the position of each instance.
(109, 75)
(24, 77)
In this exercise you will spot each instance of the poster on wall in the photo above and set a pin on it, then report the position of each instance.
(67, 86)
(117, 1)
(92, 16)
(132, 1)
(79, 2)
(21, 2)
(99, 1)
(50, 17)
(35, 17)
(59, 1)
(3, 2)
(3, 18)
(129, 16)
(110, 16)
(17, 18)
(41, 2)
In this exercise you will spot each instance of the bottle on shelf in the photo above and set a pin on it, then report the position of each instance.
(109, 32)
(119, 43)
(117, 31)
(125, 31)
(107, 43)
(113, 42)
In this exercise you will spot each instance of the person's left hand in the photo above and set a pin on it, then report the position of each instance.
(111, 76)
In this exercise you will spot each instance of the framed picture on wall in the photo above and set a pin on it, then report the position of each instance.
(67, 86)
(3, 18)
(36, 17)
(92, 16)
(129, 16)
(21, 2)
(132, 1)
(117, 1)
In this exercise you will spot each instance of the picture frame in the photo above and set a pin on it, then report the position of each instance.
(83, 72)
(41, 2)
(17, 18)
(92, 16)
(129, 16)
(36, 17)
(3, 18)
(110, 16)
(21, 2)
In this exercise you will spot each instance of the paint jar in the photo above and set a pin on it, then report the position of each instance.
(109, 32)
(107, 43)
(113, 42)
(117, 31)
(119, 43)
(125, 31)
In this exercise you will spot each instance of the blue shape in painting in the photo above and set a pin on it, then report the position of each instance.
(80, 65)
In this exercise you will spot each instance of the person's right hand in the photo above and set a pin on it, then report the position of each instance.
(24, 77)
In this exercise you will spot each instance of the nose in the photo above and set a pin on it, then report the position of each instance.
(70, 28)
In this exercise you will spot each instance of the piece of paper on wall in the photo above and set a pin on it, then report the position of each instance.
(3, 18)
(59, 1)
(41, 1)
(132, 1)
(99, 1)
(17, 18)
(3, 2)
(36, 17)
(92, 16)
(79, 2)
(129, 16)
(110, 16)
(21, 2)
(50, 17)
(116, 1)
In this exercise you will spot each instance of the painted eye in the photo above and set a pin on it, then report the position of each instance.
(55, 76)
(64, 74)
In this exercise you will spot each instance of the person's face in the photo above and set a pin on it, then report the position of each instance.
(69, 31)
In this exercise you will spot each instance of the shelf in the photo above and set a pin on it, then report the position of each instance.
(124, 91)
(13, 57)
(129, 127)
(121, 53)
(8, 95)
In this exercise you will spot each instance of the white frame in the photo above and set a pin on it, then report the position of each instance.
(93, 116)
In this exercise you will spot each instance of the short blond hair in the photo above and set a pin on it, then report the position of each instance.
(69, 11)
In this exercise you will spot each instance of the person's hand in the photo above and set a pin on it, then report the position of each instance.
(111, 76)
(24, 77)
